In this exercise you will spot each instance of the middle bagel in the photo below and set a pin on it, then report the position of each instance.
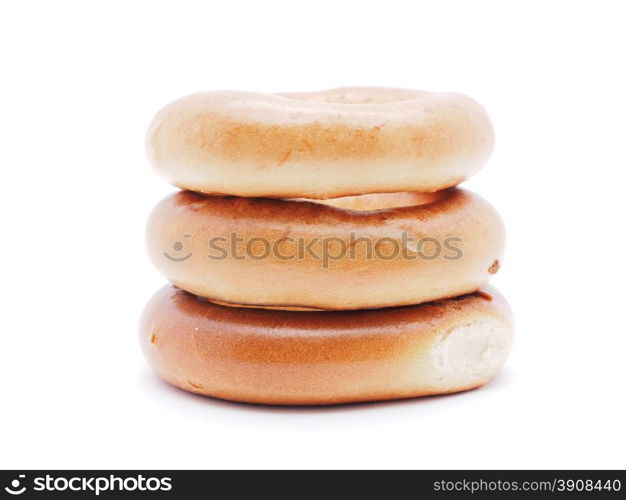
(368, 251)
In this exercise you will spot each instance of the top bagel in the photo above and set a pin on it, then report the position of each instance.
(340, 142)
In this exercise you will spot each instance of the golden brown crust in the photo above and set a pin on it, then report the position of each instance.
(357, 259)
(340, 142)
(285, 357)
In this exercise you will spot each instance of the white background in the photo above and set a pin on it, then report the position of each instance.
(81, 81)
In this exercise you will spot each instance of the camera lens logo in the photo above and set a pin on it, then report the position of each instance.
(15, 489)
(178, 248)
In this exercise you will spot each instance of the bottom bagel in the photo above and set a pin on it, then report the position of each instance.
(329, 357)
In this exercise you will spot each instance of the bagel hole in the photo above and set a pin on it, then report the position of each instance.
(356, 96)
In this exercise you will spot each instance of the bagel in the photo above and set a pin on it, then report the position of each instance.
(340, 142)
(403, 249)
(319, 358)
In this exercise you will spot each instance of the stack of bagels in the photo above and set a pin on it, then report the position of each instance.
(319, 251)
